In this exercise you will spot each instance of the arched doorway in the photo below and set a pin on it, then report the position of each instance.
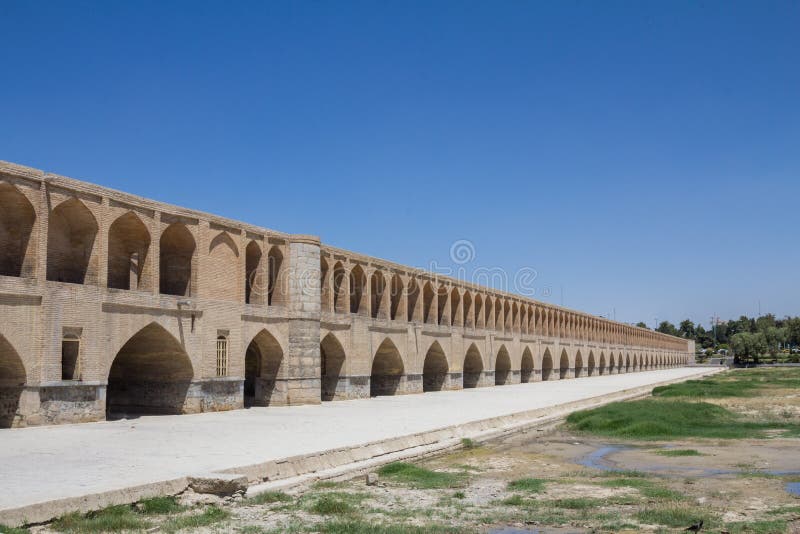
(331, 366)
(526, 366)
(264, 380)
(177, 248)
(128, 246)
(70, 244)
(591, 367)
(547, 366)
(387, 370)
(473, 367)
(12, 382)
(602, 367)
(627, 363)
(150, 374)
(502, 367)
(578, 364)
(563, 371)
(434, 369)
(17, 218)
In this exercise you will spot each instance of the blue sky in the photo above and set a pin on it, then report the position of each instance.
(642, 157)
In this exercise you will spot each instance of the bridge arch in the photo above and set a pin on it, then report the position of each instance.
(71, 236)
(264, 375)
(12, 382)
(563, 365)
(435, 368)
(502, 367)
(627, 363)
(590, 369)
(150, 374)
(177, 248)
(332, 365)
(473, 367)
(547, 365)
(526, 366)
(128, 247)
(387, 370)
(601, 368)
(578, 364)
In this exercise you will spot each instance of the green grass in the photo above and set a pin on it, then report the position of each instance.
(531, 485)
(207, 517)
(757, 527)
(708, 388)
(269, 497)
(331, 505)
(459, 495)
(111, 519)
(326, 484)
(577, 503)
(469, 444)
(651, 419)
(673, 516)
(369, 527)
(679, 452)
(12, 530)
(160, 505)
(421, 478)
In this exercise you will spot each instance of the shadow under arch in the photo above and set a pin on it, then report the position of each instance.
(578, 364)
(17, 219)
(435, 368)
(12, 382)
(473, 367)
(150, 374)
(526, 366)
(332, 362)
(502, 367)
(547, 365)
(263, 366)
(387, 370)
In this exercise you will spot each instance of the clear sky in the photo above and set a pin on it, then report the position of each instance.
(642, 157)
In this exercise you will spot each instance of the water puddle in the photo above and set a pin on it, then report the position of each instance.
(793, 488)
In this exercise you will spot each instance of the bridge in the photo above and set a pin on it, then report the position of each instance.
(115, 305)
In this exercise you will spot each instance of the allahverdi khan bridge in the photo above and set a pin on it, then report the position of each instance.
(115, 304)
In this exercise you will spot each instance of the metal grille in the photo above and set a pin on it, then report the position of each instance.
(222, 356)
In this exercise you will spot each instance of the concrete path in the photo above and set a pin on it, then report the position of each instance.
(42, 464)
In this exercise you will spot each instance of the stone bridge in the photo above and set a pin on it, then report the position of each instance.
(115, 305)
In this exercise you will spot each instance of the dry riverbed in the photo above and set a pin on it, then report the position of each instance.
(615, 475)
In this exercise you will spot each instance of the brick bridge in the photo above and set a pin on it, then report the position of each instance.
(113, 304)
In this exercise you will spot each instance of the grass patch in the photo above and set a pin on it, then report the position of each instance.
(514, 500)
(331, 505)
(531, 485)
(469, 444)
(326, 484)
(651, 419)
(711, 388)
(679, 452)
(12, 530)
(111, 519)
(159, 505)
(756, 527)
(646, 487)
(459, 495)
(577, 503)
(269, 497)
(364, 527)
(207, 517)
(421, 478)
(674, 516)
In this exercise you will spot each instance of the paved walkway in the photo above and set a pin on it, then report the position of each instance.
(46, 463)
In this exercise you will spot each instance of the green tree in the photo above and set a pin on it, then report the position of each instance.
(641, 324)
(667, 327)
(774, 337)
(687, 329)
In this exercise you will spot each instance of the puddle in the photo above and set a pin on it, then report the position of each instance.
(793, 488)
(597, 458)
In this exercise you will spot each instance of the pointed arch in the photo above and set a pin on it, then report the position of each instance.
(611, 363)
(150, 374)
(332, 365)
(468, 313)
(128, 247)
(502, 367)
(387, 370)
(635, 366)
(377, 284)
(563, 365)
(277, 285)
(590, 369)
(177, 248)
(547, 365)
(602, 367)
(578, 364)
(627, 363)
(435, 368)
(526, 366)
(222, 268)
(17, 242)
(396, 298)
(442, 311)
(411, 301)
(428, 309)
(71, 236)
(358, 290)
(254, 274)
(480, 319)
(265, 375)
(473, 367)
(455, 303)
(340, 291)
(12, 382)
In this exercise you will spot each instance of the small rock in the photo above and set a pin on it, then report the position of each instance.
(371, 479)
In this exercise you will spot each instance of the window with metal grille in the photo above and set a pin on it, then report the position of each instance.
(222, 356)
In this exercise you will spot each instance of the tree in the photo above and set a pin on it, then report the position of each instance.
(774, 337)
(764, 322)
(667, 327)
(641, 324)
(687, 329)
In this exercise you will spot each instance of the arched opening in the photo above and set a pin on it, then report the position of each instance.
(578, 364)
(396, 297)
(619, 363)
(276, 279)
(12, 382)
(434, 369)
(331, 366)
(611, 363)
(17, 218)
(473, 367)
(547, 366)
(635, 362)
(377, 287)
(263, 372)
(627, 363)
(358, 288)
(428, 296)
(223, 268)
(488, 313)
(128, 245)
(70, 244)
(480, 321)
(602, 367)
(340, 304)
(387, 370)
(442, 316)
(563, 371)
(254, 277)
(455, 302)
(150, 374)
(591, 367)
(498, 314)
(177, 248)
(411, 303)
(526, 366)
(502, 367)
(468, 314)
